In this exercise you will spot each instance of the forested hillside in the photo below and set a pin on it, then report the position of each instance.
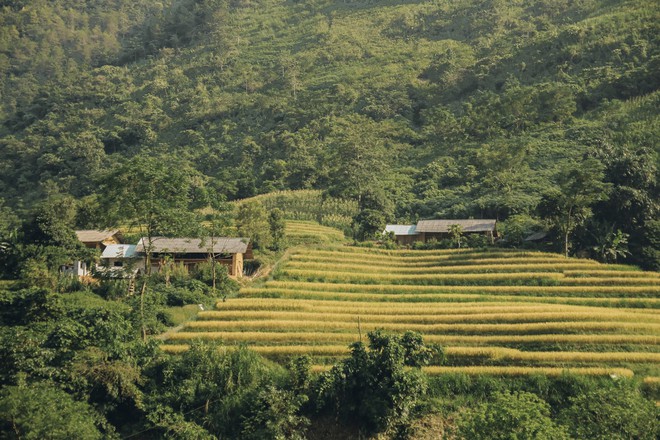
(482, 108)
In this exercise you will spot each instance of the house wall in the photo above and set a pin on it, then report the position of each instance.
(236, 265)
(406, 240)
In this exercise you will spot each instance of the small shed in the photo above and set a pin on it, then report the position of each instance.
(191, 251)
(404, 235)
(121, 260)
(439, 229)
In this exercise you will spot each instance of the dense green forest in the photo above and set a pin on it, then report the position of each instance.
(486, 109)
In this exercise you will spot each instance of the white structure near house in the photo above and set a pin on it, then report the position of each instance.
(93, 239)
(120, 260)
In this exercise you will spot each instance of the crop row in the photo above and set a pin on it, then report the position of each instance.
(540, 278)
(527, 371)
(436, 254)
(366, 267)
(592, 300)
(416, 288)
(369, 307)
(306, 336)
(563, 327)
(461, 352)
(433, 261)
(425, 317)
(552, 356)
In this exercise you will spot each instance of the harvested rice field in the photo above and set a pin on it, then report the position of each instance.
(496, 312)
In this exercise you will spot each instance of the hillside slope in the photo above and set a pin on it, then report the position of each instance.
(495, 311)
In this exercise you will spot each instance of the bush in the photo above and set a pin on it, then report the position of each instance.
(612, 413)
(510, 416)
(374, 388)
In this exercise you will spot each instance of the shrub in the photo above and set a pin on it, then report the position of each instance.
(373, 388)
(510, 416)
(612, 413)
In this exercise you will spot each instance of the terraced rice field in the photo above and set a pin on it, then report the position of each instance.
(495, 311)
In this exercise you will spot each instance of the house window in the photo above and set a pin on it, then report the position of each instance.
(118, 263)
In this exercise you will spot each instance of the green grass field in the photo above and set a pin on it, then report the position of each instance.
(500, 312)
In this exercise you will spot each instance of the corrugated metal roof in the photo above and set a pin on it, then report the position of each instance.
(401, 229)
(120, 251)
(94, 235)
(536, 236)
(220, 245)
(468, 225)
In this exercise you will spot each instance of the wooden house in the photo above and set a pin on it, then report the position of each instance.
(93, 239)
(404, 235)
(230, 252)
(97, 239)
(426, 230)
(439, 229)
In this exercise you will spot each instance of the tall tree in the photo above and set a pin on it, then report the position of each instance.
(579, 186)
(154, 196)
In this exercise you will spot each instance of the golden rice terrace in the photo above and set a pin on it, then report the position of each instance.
(494, 311)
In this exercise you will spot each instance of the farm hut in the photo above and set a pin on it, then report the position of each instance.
(120, 260)
(439, 229)
(404, 235)
(97, 239)
(93, 239)
(230, 252)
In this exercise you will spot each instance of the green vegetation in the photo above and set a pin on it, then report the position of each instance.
(303, 125)
(541, 115)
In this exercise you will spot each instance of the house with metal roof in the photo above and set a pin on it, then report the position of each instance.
(426, 230)
(439, 229)
(230, 252)
(93, 239)
(120, 260)
(404, 235)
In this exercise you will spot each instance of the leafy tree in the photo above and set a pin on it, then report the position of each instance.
(43, 411)
(613, 413)
(252, 222)
(368, 223)
(510, 416)
(277, 229)
(274, 416)
(610, 244)
(358, 158)
(374, 388)
(579, 186)
(456, 234)
(154, 195)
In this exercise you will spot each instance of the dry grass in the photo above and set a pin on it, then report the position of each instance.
(527, 371)
(418, 316)
(553, 356)
(468, 278)
(261, 337)
(367, 268)
(609, 281)
(425, 329)
(412, 288)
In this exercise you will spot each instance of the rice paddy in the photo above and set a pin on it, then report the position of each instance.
(497, 312)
